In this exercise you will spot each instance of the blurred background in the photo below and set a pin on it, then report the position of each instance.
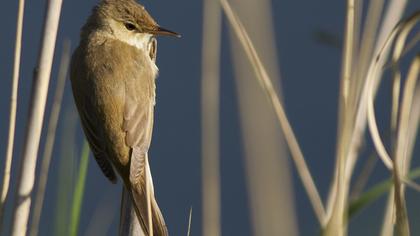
(307, 37)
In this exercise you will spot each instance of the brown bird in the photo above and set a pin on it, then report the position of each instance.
(113, 75)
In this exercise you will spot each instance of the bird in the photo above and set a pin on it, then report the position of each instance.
(112, 74)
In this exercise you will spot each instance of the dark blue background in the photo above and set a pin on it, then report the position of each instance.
(175, 150)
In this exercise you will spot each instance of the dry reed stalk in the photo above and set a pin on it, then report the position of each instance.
(371, 77)
(210, 94)
(103, 216)
(401, 158)
(357, 129)
(408, 90)
(335, 223)
(266, 166)
(50, 139)
(129, 223)
(414, 123)
(259, 98)
(357, 43)
(12, 114)
(389, 219)
(399, 123)
(403, 228)
(413, 42)
(370, 99)
(149, 195)
(393, 15)
(189, 222)
(362, 180)
(366, 48)
(402, 30)
(26, 173)
(349, 50)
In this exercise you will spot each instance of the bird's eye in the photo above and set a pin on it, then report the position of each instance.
(130, 26)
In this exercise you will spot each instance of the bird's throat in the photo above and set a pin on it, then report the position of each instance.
(142, 42)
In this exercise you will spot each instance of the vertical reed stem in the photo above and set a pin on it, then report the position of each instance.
(210, 118)
(12, 114)
(26, 174)
(49, 143)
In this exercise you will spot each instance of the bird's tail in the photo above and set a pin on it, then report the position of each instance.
(139, 193)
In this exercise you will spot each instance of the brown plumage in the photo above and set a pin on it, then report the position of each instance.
(113, 75)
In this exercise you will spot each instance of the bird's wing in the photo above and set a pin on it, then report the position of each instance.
(138, 125)
(89, 121)
(138, 121)
(96, 147)
(140, 101)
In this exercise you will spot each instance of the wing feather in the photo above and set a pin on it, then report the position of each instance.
(88, 124)
(140, 100)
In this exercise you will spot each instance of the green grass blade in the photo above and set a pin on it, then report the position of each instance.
(79, 190)
(374, 193)
(66, 173)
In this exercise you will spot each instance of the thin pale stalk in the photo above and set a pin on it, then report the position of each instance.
(349, 49)
(103, 216)
(374, 131)
(400, 140)
(399, 50)
(362, 179)
(413, 42)
(389, 219)
(267, 87)
(372, 77)
(189, 222)
(129, 223)
(265, 153)
(403, 228)
(395, 100)
(393, 14)
(406, 103)
(388, 225)
(210, 94)
(373, 17)
(369, 90)
(148, 196)
(400, 150)
(413, 185)
(414, 123)
(12, 113)
(50, 139)
(335, 223)
(358, 13)
(26, 173)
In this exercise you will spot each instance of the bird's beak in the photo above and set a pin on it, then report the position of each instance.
(164, 32)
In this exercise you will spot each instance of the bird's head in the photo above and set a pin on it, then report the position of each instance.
(126, 20)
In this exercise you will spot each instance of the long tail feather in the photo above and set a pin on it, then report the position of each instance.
(139, 196)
